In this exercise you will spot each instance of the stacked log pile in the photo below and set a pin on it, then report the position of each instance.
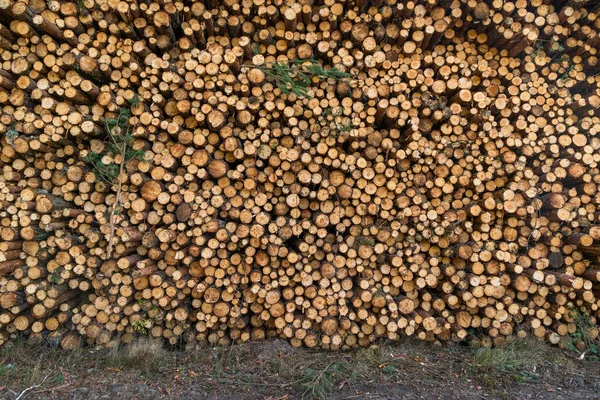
(157, 179)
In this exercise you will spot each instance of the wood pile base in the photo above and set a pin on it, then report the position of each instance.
(446, 189)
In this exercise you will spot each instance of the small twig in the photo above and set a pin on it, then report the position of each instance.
(52, 388)
(118, 202)
(31, 387)
(261, 384)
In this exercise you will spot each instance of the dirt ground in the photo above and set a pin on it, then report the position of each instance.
(524, 369)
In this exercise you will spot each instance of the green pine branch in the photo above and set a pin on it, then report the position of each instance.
(295, 76)
(119, 149)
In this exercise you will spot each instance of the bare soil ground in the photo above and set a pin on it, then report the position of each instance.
(524, 369)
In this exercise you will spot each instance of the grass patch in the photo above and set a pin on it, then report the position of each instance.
(314, 374)
(24, 368)
(317, 374)
(583, 338)
(14, 349)
(6, 370)
(517, 355)
(370, 356)
(144, 354)
(520, 359)
(34, 375)
(274, 369)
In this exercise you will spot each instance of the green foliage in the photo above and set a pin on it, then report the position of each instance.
(6, 369)
(119, 144)
(135, 154)
(11, 134)
(139, 326)
(582, 337)
(106, 172)
(568, 70)
(149, 311)
(121, 120)
(556, 46)
(345, 127)
(110, 165)
(296, 75)
(318, 384)
(336, 112)
(370, 356)
(538, 49)
(360, 240)
(55, 277)
(135, 100)
(327, 111)
(389, 369)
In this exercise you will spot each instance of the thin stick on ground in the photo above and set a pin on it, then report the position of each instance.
(31, 388)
